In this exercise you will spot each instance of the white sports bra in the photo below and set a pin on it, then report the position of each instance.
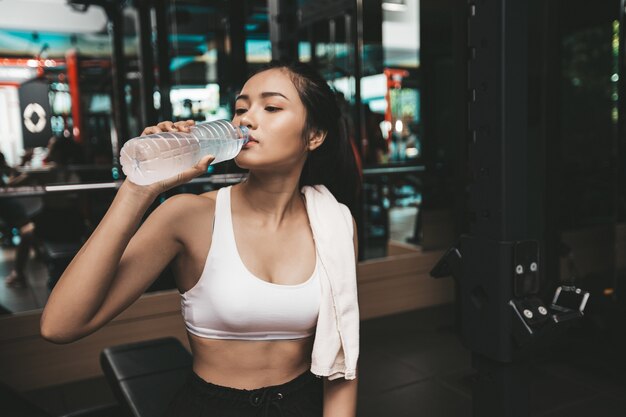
(229, 302)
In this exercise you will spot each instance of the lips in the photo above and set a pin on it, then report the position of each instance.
(251, 141)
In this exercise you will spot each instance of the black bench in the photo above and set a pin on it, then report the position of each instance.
(145, 376)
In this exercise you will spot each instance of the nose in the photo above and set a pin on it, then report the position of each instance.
(247, 120)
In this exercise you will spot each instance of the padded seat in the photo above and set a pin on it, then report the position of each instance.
(145, 376)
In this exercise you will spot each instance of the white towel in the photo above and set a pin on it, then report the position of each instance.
(336, 344)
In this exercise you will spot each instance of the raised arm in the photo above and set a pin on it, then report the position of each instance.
(118, 262)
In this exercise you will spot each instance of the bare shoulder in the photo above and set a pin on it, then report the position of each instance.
(211, 195)
(183, 212)
(188, 203)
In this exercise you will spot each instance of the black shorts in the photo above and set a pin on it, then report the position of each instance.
(300, 397)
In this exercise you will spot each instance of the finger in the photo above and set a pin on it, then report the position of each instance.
(151, 130)
(190, 122)
(182, 126)
(166, 126)
(198, 169)
(203, 164)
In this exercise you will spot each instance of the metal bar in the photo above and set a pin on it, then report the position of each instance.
(461, 56)
(72, 59)
(237, 35)
(347, 22)
(22, 191)
(393, 170)
(81, 187)
(497, 118)
(332, 48)
(39, 190)
(71, 167)
(551, 135)
(115, 27)
(515, 187)
(273, 11)
(163, 57)
(282, 18)
(620, 282)
(313, 41)
(499, 193)
(357, 38)
(622, 70)
(146, 63)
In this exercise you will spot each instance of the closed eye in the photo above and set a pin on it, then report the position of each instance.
(272, 109)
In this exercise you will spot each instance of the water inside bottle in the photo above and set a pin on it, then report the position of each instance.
(155, 157)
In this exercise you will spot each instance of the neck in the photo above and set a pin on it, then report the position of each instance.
(271, 197)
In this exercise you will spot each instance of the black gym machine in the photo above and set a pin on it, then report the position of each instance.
(497, 266)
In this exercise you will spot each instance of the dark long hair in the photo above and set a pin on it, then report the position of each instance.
(333, 164)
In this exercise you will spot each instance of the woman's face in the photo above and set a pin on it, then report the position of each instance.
(269, 105)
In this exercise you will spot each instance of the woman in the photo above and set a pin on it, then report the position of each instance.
(245, 261)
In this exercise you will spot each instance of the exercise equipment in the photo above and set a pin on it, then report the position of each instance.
(145, 376)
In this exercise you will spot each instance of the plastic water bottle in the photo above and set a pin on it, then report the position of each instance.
(152, 158)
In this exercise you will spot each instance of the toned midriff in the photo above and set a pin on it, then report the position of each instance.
(250, 364)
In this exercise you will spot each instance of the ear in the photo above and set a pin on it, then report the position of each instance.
(316, 139)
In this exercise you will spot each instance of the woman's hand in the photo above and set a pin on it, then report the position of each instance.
(198, 169)
(167, 126)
